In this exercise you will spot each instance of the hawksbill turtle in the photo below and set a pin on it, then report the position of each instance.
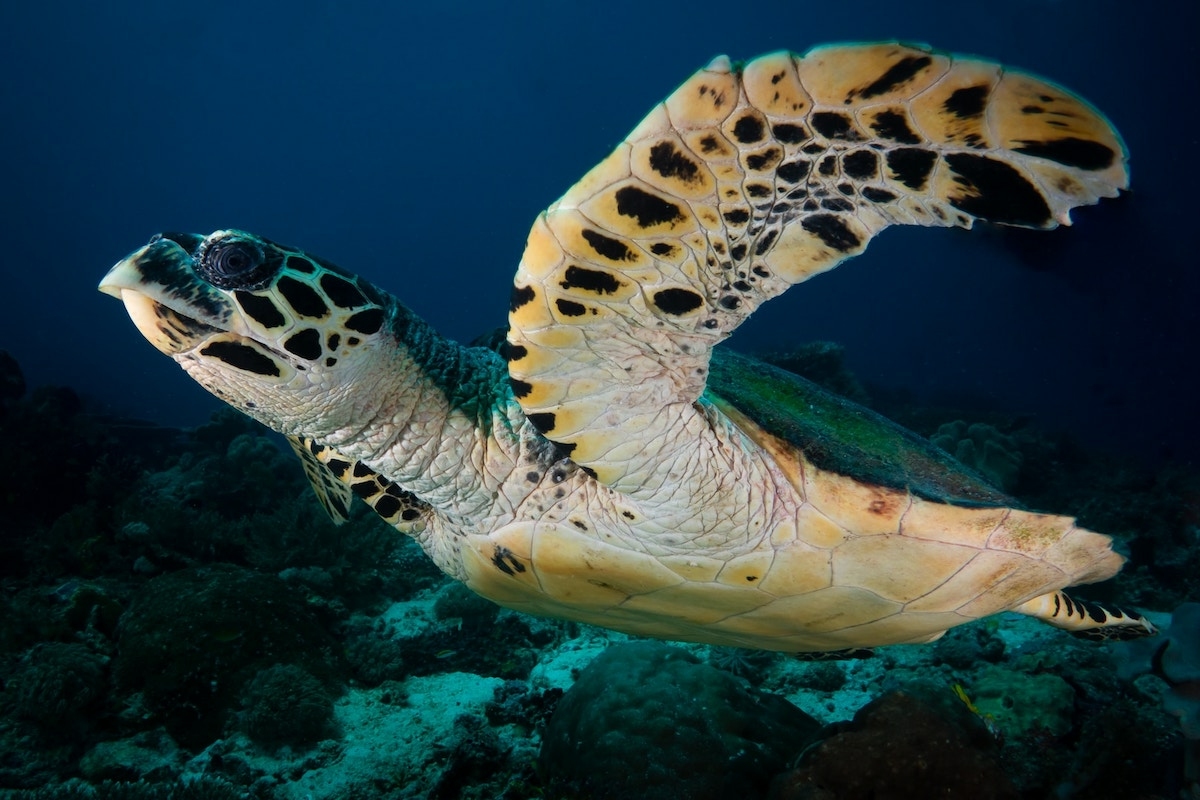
(608, 463)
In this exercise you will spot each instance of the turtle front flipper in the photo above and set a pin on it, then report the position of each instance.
(747, 180)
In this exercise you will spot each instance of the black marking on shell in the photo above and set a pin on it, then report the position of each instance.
(788, 133)
(832, 230)
(260, 309)
(303, 299)
(834, 125)
(409, 514)
(738, 252)
(342, 292)
(828, 165)
(710, 144)
(506, 562)
(996, 191)
(668, 161)
(387, 506)
(860, 164)
(569, 308)
(305, 343)
(765, 243)
(736, 216)
(677, 301)
(911, 166)
(837, 204)
(612, 249)
(757, 162)
(893, 125)
(367, 321)
(759, 190)
(877, 195)
(590, 280)
(513, 352)
(520, 296)
(748, 129)
(793, 171)
(1071, 151)
(898, 74)
(649, 210)
(967, 102)
(243, 357)
(662, 249)
(520, 388)
(542, 420)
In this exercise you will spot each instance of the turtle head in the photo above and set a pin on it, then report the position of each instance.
(269, 329)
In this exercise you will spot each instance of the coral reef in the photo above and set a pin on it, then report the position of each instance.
(650, 720)
(994, 455)
(285, 705)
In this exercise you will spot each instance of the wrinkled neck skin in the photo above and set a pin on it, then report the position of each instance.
(437, 417)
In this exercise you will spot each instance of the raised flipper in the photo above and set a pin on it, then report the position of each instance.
(1086, 619)
(337, 480)
(745, 181)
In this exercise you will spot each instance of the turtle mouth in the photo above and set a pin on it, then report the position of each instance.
(169, 304)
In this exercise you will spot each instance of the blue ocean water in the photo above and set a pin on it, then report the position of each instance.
(415, 146)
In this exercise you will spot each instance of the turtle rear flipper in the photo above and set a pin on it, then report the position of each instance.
(1086, 619)
(747, 180)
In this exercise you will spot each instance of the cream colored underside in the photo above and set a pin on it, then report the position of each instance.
(854, 566)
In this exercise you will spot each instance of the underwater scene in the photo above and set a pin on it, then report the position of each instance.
(372, 429)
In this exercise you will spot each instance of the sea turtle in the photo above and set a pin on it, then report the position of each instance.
(606, 463)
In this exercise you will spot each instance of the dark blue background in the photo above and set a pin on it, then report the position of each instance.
(415, 146)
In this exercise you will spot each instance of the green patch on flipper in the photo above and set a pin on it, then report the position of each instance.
(840, 436)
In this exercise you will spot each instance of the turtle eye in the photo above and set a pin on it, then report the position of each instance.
(235, 263)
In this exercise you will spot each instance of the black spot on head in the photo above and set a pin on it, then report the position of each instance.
(748, 129)
(260, 309)
(861, 164)
(893, 125)
(569, 308)
(590, 280)
(334, 341)
(828, 165)
(612, 249)
(911, 165)
(520, 296)
(677, 301)
(788, 133)
(1071, 152)
(361, 470)
(899, 73)
(409, 514)
(300, 264)
(243, 357)
(648, 209)
(832, 230)
(833, 125)
(793, 171)
(303, 299)
(996, 192)
(342, 292)
(668, 161)
(730, 302)
(813, 149)
(305, 343)
(367, 321)
(338, 467)
(738, 252)
(967, 102)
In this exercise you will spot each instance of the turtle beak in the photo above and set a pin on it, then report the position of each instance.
(162, 295)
